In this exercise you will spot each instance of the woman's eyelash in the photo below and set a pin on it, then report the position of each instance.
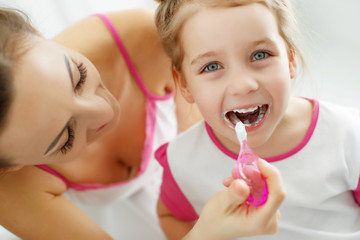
(83, 74)
(69, 143)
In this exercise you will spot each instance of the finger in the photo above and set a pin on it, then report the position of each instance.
(233, 173)
(227, 181)
(238, 192)
(275, 187)
(272, 176)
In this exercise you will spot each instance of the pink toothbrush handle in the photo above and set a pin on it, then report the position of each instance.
(246, 169)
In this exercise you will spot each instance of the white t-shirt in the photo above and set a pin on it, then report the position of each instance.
(320, 176)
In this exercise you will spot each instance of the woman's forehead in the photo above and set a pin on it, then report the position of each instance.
(42, 90)
(33, 122)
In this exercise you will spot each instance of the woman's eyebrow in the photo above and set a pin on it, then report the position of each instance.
(68, 68)
(56, 140)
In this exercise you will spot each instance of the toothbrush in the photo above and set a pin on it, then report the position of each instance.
(246, 168)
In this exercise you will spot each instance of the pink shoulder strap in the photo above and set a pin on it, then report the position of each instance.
(53, 172)
(126, 56)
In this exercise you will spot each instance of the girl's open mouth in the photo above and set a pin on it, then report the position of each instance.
(249, 117)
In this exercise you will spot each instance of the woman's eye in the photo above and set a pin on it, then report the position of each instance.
(83, 74)
(259, 56)
(69, 142)
(211, 67)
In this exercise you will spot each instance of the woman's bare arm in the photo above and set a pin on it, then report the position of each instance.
(32, 207)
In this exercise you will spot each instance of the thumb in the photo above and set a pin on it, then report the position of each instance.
(238, 192)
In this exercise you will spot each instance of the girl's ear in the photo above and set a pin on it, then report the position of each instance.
(292, 64)
(181, 83)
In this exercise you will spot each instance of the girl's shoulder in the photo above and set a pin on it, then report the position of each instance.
(339, 114)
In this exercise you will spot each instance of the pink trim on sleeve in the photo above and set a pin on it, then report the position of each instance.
(170, 193)
(356, 193)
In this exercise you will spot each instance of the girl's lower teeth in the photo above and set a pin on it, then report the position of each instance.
(246, 122)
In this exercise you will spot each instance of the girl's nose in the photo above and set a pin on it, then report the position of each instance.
(242, 83)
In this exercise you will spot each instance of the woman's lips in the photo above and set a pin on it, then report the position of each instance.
(100, 128)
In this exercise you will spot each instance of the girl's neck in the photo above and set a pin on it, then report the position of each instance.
(288, 134)
(291, 130)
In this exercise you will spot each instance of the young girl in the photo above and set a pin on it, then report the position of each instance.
(236, 60)
(95, 176)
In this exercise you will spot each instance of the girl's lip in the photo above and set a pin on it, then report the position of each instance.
(254, 126)
(100, 128)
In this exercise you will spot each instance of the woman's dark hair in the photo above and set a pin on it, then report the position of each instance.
(15, 27)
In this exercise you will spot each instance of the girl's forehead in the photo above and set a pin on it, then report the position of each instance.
(214, 26)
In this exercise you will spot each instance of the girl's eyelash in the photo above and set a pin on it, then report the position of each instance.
(69, 143)
(83, 74)
(203, 69)
(266, 53)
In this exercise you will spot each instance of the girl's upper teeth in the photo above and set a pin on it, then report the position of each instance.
(246, 110)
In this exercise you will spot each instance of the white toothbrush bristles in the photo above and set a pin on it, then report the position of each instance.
(240, 131)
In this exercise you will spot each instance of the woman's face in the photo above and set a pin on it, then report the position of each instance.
(60, 106)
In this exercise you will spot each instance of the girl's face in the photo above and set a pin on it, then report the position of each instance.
(236, 68)
(60, 105)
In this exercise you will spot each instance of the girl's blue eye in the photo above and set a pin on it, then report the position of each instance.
(211, 67)
(259, 56)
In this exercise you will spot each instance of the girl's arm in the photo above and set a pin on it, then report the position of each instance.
(32, 207)
(225, 217)
(172, 227)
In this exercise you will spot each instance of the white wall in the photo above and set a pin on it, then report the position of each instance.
(331, 31)
(329, 26)
(50, 16)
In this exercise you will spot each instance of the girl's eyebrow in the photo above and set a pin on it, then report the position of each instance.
(265, 41)
(200, 56)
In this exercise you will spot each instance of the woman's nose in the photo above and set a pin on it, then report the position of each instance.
(242, 83)
(96, 110)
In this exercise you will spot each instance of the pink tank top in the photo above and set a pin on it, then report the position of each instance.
(161, 126)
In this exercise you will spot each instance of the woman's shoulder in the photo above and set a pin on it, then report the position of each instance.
(28, 180)
(138, 32)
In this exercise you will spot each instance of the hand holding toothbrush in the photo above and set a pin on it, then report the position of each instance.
(226, 217)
